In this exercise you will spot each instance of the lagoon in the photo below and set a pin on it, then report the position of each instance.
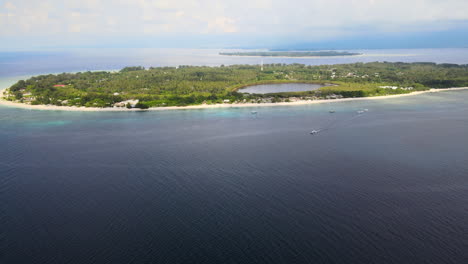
(280, 88)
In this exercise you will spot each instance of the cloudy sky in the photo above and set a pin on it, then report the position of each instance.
(227, 23)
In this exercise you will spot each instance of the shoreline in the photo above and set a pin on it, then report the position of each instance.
(303, 102)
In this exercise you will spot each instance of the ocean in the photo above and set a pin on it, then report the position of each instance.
(226, 186)
(13, 64)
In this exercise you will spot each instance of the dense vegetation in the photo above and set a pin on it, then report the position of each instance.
(291, 53)
(187, 85)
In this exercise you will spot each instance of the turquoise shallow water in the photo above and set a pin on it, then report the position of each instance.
(226, 186)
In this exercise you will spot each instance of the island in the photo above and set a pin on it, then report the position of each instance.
(161, 87)
(291, 53)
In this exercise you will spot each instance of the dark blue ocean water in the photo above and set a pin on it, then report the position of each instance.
(226, 186)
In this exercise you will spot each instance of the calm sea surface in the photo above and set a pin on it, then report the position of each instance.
(226, 186)
(27, 63)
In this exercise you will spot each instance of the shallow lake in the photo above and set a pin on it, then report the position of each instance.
(281, 88)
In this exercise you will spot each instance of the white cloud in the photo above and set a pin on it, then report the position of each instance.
(74, 28)
(317, 18)
(10, 5)
(222, 25)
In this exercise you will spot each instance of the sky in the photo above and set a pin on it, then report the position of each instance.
(321, 24)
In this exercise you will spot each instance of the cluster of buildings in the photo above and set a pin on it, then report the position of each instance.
(352, 75)
(132, 103)
(334, 96)
(27, 98)
(276, 99)
(397, 87)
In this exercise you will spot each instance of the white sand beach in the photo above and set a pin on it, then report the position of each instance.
(303, 102)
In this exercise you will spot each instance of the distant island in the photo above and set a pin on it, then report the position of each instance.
(143, 88)
(291, 53)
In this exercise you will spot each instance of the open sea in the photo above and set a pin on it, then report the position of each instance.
(227, 186)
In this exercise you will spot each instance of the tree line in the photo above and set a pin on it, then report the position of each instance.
(186, 85)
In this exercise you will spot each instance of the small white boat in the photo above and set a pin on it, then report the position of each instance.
(253, 112)
(366, 110)
(313, 132)
(360, 112)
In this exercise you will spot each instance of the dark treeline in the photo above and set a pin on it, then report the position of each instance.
(186, 85)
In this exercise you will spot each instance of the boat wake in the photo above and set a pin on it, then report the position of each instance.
(335, 123)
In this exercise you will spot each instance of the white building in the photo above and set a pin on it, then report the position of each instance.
(132, 103)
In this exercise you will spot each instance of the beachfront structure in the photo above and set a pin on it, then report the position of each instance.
(389, 87)
(132, 103)
(396, 87)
